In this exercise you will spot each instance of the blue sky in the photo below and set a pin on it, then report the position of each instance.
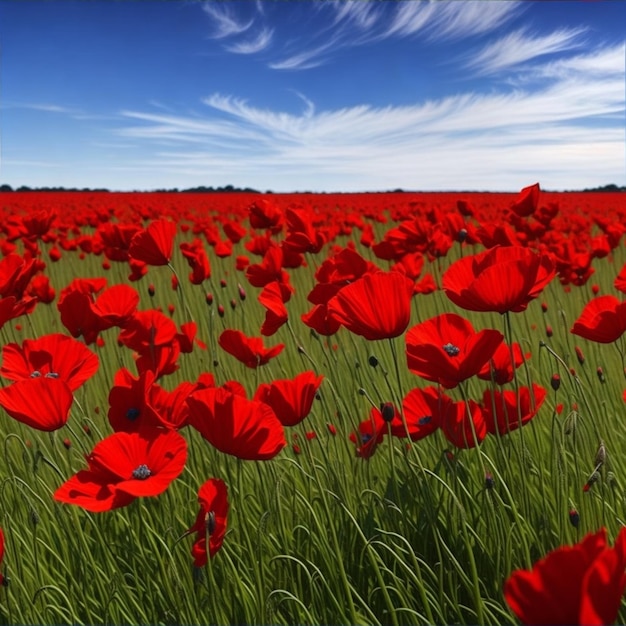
(313, 95)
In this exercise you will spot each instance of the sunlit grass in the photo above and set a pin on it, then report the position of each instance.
(413, 535)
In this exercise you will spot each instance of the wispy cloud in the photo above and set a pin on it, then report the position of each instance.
(334, 26)
(519, 47)
(540, 134)
(225, 19)
(262, 40)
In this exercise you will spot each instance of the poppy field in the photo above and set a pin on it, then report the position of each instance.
(243, 408)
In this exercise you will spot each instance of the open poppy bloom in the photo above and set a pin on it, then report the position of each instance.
(463, 423)
(290, 399)
(506, 411)
(579, 584)
(499, 368)
(370, 434)
(422, 411)
(123, 467)
(502, 279)
(375, 306)
(154, 245)
(249, 350)
(273, 298)
(46, 372)
(603, 320)
(447, 350)
(235, 425)
(197, 259)
(210, 524)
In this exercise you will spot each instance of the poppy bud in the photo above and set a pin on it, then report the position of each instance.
(579, 355)
(209, 299)
(311, 434)
(549, 332)
(600, 455)
(388, 411)
(332, 429)
(151, 290)
(555, 382)
(601, 377)
(544, 307)
(233, 304)
(171, 309)
(242, 293)
(220, 310)
(67, 443)
(595, 289)
(296, 448)
(174, 282)
(222, 283)
(461, 235)
(574, 518)
(489, 481)
(373, 361)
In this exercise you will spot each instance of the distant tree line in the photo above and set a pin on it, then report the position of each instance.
(201, 189)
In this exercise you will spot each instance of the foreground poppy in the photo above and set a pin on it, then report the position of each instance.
(603, 320)
(375, 306)
(46, 372)
(234, 425)
(447, 350)
(290, 399)
(506, 411)
(580, 584)
(210, 524)
(502, 279)
(123, 467)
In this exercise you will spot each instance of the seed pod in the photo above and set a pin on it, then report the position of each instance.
(600, 456)
(574, 518)
(555, 382)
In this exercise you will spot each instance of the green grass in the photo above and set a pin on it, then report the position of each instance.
(321, 536)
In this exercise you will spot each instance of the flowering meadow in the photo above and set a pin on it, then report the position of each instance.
(240, 408)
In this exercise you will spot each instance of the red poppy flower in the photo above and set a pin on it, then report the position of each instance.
(154, 245)
(266, 215)
(273, 299)
(370, 434)
(234, 425)
(198, 261)
(506, 411)
(375, 306)
(50, 356)
(211, 520)
(579, 584)
(130, 409)
(463, 423)
(500, 279)
(42, 402)
(290, 399)
(603, 320)
(422, 410)
(249, 350)
(269, 270)
(499, 367)
(123, 467)
(447, 350)
(527, 201)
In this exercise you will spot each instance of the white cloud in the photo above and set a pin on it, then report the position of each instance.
(225, 20)
(567, 134)
(252, 46)
(518, 47)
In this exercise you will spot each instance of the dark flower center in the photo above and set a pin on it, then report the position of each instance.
(451, 350)
(132, 414)
(142, 472)
(425, 420)
(52, 375)
(387, 411)
(35, 374)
